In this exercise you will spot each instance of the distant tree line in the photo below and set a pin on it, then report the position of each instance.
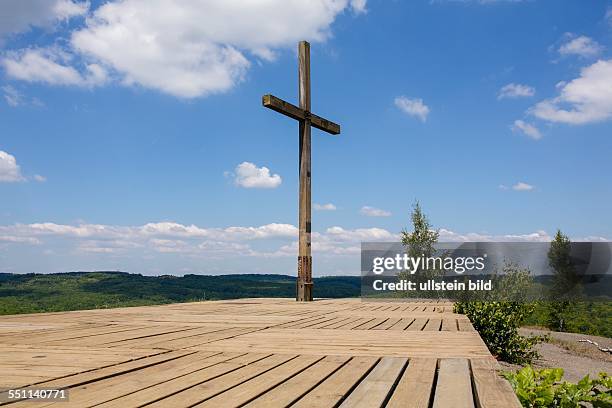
(31, 293)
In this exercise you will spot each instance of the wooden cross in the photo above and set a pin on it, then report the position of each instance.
(306, 119)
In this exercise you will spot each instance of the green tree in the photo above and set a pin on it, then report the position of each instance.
(565, 285)
(423, 237)
(420, 243)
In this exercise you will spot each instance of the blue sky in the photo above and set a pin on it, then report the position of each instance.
(132, 137)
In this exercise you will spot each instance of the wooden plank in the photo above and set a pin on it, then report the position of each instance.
(335, 387)
(101, 339)
(433, 325)
(387, 324)
(454, 386)
(160, 391)
(465, 325)
(417, 325)
(210, 388)
(374, 390)
(342, 323)
(345, 342)
(46, 364)
(299, 321)
(101, 373)
(415, 386)
(371, 324)
(331, 323)
(304, 273)
(354, 323)
(114, 370)
(155, 341)
(117, 386)
(402, 324)
(65, 334)
(119, 357)
(291, 390)
(395, 314)
(491, 390)
(288, 109)
(246, 392)
(307, 323)
(203, 339)
(449, 324)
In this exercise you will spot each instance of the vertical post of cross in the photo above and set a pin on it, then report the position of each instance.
(307, 119)
(304, 281)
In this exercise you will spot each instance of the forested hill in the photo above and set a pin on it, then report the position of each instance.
(30, 293)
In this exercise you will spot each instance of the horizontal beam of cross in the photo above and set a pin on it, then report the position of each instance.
(286, 108)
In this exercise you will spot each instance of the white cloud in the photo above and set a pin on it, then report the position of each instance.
(590, 238)
(12, 96)
(586, 99)
(158, 230)
(450, 236)
(358, 6)
(18, 15)
(324, 207)
(170, 237)
(175, 230)
(318, 247)
(335, 239)
(64, 9)
(248, 175)
(168, 247)
(526, 128)
(273, 230)
(339, 234)
(106, 246)
(15, 98)
(582, 46)
(513, 90)
(20, 240)
(39, 178)
(172, 229)
(9, 169)
(374, 212)
(520, 186)
(80, 231)
(186, 49)
(51, 66)
(413, 107)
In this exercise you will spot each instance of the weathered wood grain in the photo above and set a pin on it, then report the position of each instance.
(303, 114)
(415, 387)
(454, 386)
(258, 352)
(492, 391)
(374, 389)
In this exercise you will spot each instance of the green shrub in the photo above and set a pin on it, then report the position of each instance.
(498, 314)
(544, 388)
(498, 323)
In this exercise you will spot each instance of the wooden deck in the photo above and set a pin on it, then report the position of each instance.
(254, 353)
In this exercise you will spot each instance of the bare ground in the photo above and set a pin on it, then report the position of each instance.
(564, 350)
